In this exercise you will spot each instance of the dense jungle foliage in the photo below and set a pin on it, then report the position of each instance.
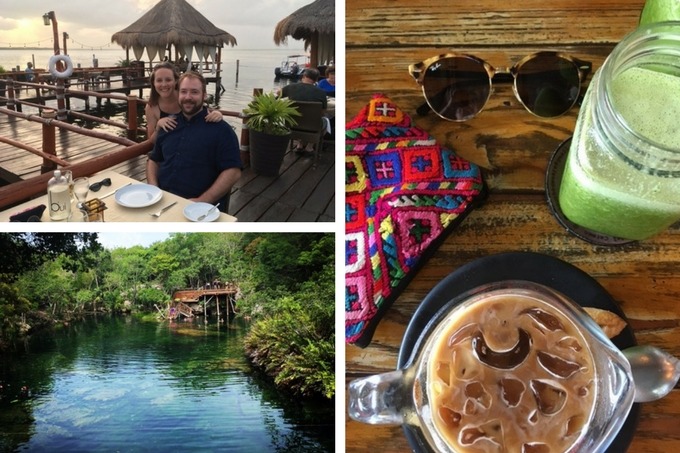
(286, 284)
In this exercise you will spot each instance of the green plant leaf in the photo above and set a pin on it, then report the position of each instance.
(272, 115)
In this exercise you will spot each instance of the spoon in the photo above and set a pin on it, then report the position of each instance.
(655, 372)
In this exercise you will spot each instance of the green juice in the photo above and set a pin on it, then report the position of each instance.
(604, 193)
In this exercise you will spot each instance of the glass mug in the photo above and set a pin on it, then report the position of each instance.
(510, 352)
(622, 175)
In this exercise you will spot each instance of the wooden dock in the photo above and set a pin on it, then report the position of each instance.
(217, 299)
(304, 192)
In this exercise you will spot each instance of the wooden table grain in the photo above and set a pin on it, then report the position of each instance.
(513, 147)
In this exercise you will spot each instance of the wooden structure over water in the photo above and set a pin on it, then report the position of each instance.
(31, 146)
(215, 299)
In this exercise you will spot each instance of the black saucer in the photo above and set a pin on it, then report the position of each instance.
(534, 267)
(553, 180)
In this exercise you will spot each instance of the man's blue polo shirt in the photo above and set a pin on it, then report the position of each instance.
(191, 156)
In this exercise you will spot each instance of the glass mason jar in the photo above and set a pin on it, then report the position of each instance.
(622, 175)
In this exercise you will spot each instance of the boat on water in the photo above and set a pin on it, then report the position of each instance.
(292, 66)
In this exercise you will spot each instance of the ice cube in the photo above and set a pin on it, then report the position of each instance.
(477, 392)
(491, 431)
(533, 417)
(544, 319)
(512, 391)
(444, 372)
(465, 364)
(535, 447)
(549, 397)
(574, 425)
(470, 408)
(461, 335)
(449, 417)
(569, 343)
(557, 366)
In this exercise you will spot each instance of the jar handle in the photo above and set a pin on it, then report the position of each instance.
(380, 399)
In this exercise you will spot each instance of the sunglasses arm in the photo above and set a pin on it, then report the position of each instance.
(423, 109)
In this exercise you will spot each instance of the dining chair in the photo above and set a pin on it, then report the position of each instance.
(310, 126)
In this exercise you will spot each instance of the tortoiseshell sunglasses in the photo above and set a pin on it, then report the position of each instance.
(457, 86)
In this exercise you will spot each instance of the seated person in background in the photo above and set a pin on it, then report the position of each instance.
(195, 160)
(328, 84)
(163, 105)
(30, 75)
(306, 90)
(183, 64)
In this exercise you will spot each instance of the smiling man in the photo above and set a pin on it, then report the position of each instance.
(197, 160)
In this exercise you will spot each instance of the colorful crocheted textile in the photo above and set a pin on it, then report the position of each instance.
(404, 193)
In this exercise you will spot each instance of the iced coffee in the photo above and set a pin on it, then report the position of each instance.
(510, 374)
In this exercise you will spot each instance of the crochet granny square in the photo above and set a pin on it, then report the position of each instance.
(403, 194)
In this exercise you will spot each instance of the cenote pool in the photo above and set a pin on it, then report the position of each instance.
(120, 384)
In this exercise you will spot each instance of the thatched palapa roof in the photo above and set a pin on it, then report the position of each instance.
(173, 23)
(315, 24)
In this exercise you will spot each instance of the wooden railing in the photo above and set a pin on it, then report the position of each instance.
(19, 191)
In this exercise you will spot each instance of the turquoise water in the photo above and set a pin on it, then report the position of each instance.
(118, 384)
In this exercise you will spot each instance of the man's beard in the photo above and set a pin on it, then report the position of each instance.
(195, 108)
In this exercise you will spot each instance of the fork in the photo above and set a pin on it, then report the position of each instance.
(203, 216)
(158, 214)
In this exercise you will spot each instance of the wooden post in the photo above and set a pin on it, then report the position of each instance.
(49, 141)
(11, 104)
(61, 103)
(238, 64)
(245, 144)
(217, 302)
(132, 117)
(218, 69)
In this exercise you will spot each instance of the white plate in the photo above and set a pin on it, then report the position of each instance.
(195, 210)
(138, 195)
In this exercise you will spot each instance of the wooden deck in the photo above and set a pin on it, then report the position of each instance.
(202, 301)
(304, 192)
(194, 295)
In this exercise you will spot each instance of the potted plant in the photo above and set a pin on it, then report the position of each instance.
(269, 120)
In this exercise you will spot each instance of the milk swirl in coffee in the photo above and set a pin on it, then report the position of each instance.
(510, 374)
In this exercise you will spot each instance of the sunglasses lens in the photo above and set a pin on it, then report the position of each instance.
(456, 88)
(98, 185)
(548, 85)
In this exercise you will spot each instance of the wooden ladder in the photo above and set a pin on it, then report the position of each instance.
(184, 309)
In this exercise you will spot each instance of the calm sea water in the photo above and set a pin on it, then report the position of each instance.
(118, 384)
(255, 69)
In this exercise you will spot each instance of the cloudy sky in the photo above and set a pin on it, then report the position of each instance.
(93, 22)
(114, 240)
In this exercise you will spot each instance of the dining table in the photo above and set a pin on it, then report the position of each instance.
(514, 149)
(118, 210)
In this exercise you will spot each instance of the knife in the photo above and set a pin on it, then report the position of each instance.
(113, 192)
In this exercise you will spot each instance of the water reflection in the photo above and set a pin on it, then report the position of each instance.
(117, 383)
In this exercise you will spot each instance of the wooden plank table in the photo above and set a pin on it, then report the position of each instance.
(513, 147)
(117, 213)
